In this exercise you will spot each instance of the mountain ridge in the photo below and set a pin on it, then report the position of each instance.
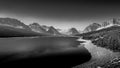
(50, 30)
(10, 27)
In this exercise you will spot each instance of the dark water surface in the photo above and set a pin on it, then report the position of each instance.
(43, 52)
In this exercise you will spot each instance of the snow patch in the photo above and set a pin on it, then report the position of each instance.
(107, 26)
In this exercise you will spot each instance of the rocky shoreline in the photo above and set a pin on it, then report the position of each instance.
(100, 56)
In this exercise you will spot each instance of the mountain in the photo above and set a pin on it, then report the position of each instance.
(73, 31)
(69, 32)
(62, 31)
(53, 31)
(105, 25)
(92, 27)
(13, 23)
(37, 28)
(96, 26)
(10, 27)
(45, 27)
(113, 22)
(107, 38)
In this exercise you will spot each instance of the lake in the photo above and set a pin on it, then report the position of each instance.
(44, 52)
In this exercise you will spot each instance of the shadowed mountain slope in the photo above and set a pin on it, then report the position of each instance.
(53, 31)
(10, 27)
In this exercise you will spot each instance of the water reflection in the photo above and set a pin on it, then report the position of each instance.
(45, 51)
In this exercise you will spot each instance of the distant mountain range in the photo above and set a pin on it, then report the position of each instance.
(14, 27)
(50, 30)
(10, 27)
(106, 34)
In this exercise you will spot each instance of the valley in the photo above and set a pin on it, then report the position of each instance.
(96, 46)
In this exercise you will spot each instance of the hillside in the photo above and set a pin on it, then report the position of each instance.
(108, 37)
(13, 32)
(10, 27)
(53, 31)
(92, 27)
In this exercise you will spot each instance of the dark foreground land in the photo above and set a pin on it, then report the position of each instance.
(43, 52)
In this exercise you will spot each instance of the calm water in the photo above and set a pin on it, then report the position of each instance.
(44, 52)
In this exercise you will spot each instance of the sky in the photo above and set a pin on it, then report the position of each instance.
(62, 14)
